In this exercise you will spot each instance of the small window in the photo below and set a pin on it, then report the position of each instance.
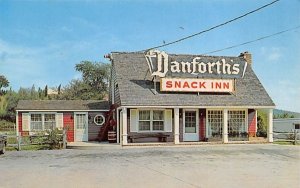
(297, 126)
(99, 119)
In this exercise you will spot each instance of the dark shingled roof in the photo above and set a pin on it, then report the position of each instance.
(84, 105)
(136, 89)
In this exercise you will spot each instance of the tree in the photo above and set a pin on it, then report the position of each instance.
(262, 123)
(78, 89)
(96, 75)
(3, 84)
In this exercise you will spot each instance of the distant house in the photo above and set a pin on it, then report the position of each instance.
(285, 125)
(82, 119)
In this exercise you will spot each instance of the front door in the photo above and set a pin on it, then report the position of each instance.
(81, 127)
(190, 125)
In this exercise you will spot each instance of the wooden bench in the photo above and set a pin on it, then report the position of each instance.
(161, 137)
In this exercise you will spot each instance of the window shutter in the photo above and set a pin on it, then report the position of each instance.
(168, 120)
(59, 120)
(25, 121)
(133, 120)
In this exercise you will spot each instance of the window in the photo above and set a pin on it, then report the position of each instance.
(99, 119)
(237, 122)
(40, 122)
(144, 120)
(49, 122)
(215, 123)
(190, 121)
(297, 126)
(80, 121)
(158, 120)
(151, 120)
(36, 122)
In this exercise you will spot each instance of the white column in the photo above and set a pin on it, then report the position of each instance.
(124, 126)
(225, 126)
(270, 125)
(176, 125)
(118, 125)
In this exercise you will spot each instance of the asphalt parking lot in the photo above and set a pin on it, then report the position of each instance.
(244, 165)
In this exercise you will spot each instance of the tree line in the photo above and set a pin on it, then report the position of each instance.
(93, 85)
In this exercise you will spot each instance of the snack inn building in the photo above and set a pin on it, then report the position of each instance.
(160, 97)
(186, 98)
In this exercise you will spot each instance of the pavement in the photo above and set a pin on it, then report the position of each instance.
(230, 165)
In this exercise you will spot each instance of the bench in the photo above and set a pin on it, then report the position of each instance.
(161, 137)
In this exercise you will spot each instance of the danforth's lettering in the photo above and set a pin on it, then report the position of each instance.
(195, 67)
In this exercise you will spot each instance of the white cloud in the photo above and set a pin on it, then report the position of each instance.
(273, 54)
(25, 66)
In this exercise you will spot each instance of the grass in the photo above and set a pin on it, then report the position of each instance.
(29, 147)
(284, 142)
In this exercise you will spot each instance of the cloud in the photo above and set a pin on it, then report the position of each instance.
(25, 66)
(273, 54)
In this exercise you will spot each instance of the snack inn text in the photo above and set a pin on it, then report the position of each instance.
(174, 98)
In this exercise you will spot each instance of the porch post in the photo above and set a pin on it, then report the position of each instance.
(176, 125)
(225, 126)
(124, 126)
(270, 125)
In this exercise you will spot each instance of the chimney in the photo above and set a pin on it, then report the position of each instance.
(247, 56)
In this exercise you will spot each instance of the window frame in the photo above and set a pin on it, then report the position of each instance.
(246, 126)
(208, 131)
(43, 120)
(151, 120)
(99, 115)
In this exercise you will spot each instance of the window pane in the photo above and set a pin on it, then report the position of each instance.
(99, 119)
(50, 122)
(158, 115)
(158, 125)
(144, 115)
(36, 122)
(190, 122)
(80, 121)
(215, 122)
(236, 123)
(144, 125)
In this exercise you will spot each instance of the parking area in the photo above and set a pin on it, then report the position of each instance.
(234, 165)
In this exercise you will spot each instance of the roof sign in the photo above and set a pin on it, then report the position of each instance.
(163, 65)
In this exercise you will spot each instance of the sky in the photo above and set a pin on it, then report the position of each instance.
(42, 41)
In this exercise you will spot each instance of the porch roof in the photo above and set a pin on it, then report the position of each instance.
(84, 105)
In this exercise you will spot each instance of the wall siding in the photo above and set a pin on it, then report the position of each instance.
(170, 138)
(93, 129)
(23, 133)
(252, 122)
(69, 125)
(202, 125)
(117, 99)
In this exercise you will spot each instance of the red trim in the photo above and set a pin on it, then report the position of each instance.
(69, 125)
(252, 122)
(202, 120)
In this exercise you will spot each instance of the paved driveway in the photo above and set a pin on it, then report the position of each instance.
(263, 165)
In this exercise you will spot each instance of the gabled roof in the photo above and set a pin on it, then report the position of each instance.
(62, 105)
(136, 88)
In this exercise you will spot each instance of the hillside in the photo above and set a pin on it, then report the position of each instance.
(279, 112)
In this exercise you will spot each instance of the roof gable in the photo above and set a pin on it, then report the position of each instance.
(137, 89)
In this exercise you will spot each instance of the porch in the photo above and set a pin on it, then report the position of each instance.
(190, 126)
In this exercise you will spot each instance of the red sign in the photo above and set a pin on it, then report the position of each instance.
(197, 85)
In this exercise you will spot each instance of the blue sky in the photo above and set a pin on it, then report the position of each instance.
(41, 41)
